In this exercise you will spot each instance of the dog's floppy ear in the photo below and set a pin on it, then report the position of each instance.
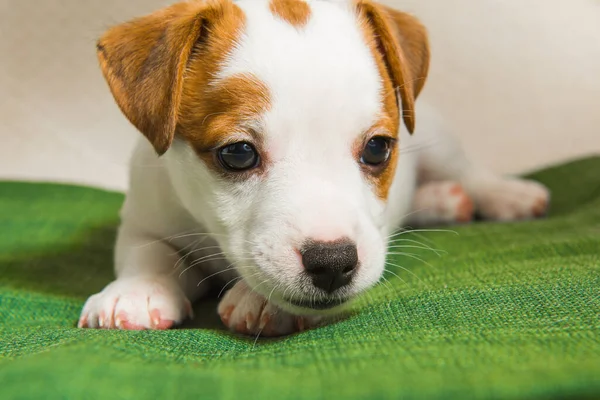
(144, 62)
(402, 41)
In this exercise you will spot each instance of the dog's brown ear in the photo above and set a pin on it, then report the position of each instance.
(144, 62)
(402, 41)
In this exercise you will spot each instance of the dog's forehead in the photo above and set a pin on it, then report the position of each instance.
(315, 62)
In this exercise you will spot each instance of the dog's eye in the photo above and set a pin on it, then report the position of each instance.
(377, 151)
(238, 156)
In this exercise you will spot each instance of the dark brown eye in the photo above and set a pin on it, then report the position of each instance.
(377, 151)
(238, 156)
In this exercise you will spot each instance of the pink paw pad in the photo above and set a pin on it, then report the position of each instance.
(300, 324)
(226, 315)
(540, 207)
(158, 322)
(464, 206)
(83, 322)
(122, 322)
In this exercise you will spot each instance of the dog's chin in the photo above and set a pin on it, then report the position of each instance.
(309, 303)
(301, 303)
(309, 306)
(318, 305)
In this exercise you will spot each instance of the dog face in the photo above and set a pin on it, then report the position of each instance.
(279, 122)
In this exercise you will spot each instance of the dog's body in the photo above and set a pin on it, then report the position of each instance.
(284, 169)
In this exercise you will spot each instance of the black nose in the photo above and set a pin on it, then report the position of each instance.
(331, 265)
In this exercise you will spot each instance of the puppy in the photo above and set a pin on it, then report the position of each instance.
(274, 160)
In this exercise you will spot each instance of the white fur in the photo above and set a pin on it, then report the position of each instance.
(325, 92)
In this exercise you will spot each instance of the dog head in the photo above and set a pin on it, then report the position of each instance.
(279, 123)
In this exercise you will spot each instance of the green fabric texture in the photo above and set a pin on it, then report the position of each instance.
(511, 311)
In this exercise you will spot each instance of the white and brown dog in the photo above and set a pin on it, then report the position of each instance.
(273, 157)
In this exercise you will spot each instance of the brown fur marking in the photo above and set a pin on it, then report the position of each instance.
(211, 113)
(295, 12)
(393, 43)
(144, 61)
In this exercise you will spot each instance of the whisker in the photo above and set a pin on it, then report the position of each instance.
(186, 234)
(231, 268)
(236, 279)
(284, 292)
(227, 284)
(414, 212)
(411, 255)
(388, 285)
(403, 232)
(262, 283)
(398, 240)
(213, 257)
(420, 236)
(191, 244)
(404, 269)
(386, 282)
(436, 251)
(396, 275)
(417, 147)
(209, 234)
(181, 259)
(271, 294)
(217, 256)
(166, 238)
(256, 339)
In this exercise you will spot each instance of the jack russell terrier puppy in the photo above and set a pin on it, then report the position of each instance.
(274, 158)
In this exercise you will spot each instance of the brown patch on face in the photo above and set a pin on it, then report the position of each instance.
(399, 46)
(213, 113)
(295, 12)
(380, 176)
(146, 60)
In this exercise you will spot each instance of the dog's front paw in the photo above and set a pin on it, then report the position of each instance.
(136, 303)
(246, 312)
(512, 199)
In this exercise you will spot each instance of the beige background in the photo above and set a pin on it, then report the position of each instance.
(518, 79)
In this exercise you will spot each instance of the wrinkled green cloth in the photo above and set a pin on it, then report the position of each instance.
(510, 311)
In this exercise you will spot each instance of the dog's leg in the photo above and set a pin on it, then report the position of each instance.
(442, 160)
(244, 311)
(148, 293)
(441, 202)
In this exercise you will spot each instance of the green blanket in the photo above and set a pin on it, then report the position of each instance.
(510, 311)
